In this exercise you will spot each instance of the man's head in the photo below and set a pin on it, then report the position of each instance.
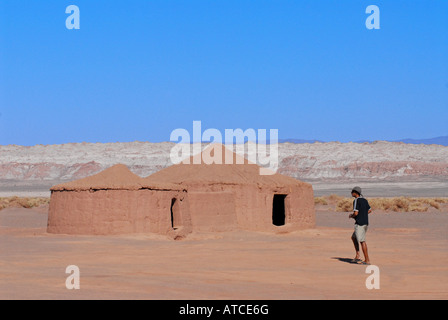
(356, 191)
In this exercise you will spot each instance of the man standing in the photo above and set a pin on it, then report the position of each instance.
(361, 210)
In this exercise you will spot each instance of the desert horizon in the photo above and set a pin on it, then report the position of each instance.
(384, 168)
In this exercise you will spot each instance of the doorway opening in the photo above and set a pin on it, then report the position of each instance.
(278, 210)
(176, 219)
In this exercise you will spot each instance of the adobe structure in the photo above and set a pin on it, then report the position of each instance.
(181, 199)
(115, 201)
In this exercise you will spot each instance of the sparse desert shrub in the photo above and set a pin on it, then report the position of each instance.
(441, 200)
(24, 203)
(380, 203)
(432, 202)
(386, 204)
(400, 204)
(16, 202)
(344, 205)
(320, 200)
(34, 202)
(397, 204)
(435, 205)
(417, 206)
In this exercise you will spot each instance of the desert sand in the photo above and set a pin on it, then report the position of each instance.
(409, 248)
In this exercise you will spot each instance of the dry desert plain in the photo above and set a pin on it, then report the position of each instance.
(410, 249)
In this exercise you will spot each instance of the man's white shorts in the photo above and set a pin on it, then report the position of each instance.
(360, 232)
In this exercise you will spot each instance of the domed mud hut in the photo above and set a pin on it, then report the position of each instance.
(183, 198)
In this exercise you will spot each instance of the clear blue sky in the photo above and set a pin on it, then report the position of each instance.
(138, 69)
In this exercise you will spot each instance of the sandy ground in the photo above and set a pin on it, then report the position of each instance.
(410, 250)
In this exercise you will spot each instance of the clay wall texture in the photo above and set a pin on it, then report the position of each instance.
(208, 198)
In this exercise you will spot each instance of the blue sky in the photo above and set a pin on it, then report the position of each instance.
(137, 70)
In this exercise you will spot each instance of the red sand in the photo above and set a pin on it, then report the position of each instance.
(409, 248)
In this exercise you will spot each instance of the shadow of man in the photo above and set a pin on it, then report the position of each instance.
(347, 260)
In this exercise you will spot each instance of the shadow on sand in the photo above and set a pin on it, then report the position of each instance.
(346, 260)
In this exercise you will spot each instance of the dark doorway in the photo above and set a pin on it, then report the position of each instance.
(278, 210)
(176, 220)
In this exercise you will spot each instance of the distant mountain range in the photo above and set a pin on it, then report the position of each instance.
(30, 168)
(382, 161)
(438, 140)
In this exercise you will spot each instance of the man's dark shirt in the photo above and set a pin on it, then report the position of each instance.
(362, 206)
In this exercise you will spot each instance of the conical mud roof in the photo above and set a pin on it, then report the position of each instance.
(117, 177)
(239, 170)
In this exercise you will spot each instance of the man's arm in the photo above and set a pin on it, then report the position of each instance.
(354, 214)
(355, 209)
